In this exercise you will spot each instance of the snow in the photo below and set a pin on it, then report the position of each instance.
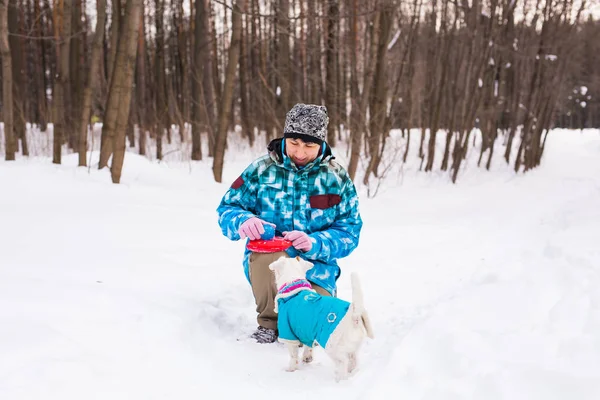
(394, 39)
(487, 289)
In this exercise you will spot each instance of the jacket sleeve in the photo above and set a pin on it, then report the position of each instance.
(341, 238)
(239, 203)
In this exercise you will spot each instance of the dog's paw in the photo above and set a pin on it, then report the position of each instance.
(307, 355)
(293, 366)
(341, 376)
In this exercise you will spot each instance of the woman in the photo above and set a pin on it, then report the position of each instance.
(309, 199)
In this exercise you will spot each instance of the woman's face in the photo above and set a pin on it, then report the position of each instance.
(301, 152)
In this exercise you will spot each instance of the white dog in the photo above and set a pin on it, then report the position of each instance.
(307, 318)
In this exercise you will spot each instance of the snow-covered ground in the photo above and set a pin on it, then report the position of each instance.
(489, 289)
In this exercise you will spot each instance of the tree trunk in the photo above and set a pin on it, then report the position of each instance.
(247, 129)
(379, 97)
(40, 68)
(331, 88)
(61, 114)
(283, 58)
(314, 47)
(225, 109)
(141, 97)
(184, 79)
(15, 25)
(115, 25)
(116, 95)
(355, 125)
(7, 98)
(208, 84)
(443, 61)
(161, 95)
(201, 79)
(123, 83)
(215, 74)
(368, 79)
(255, 91)
(76, 78)
(91, 81)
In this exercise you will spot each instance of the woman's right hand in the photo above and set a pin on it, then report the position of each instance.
(252, 228)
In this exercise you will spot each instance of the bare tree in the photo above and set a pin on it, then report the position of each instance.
(355, 126)
(247, 129)
(76, 74)
(16, 28)
(331, 92)
(91, 81)
(225, 108)
(141, 83)
(201, 80)
(283, 58)
(115, 22)
(119, 95)
(160, 94)
(361, 101)
(125, 63)
(61, 113)
(7, 99)
(378, 106)
(315, 80)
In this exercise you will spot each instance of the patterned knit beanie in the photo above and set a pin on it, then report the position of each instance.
(307, 122)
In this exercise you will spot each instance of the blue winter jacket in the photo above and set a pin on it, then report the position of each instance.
(309, 318)
(319, 199)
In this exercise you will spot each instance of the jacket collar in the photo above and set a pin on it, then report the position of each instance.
(291, 289)
(277, 155)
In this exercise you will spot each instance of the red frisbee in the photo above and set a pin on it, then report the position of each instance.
(268, 246)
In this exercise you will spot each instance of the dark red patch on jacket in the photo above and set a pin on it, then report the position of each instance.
(324, 201)
(237, 183)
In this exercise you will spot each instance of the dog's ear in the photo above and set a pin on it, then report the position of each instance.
(275, 265)
(306, 265)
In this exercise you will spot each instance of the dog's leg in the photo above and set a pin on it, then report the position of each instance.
(341, 368)
(293, 349)
(352, 362)
(307, 356)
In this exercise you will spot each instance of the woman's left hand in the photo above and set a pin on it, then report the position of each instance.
(299, 239)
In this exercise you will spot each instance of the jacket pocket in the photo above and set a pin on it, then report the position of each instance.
(325, 201)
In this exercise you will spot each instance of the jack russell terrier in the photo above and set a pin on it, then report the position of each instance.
(309, 319)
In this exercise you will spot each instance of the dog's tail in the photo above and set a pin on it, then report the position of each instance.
(359, 314)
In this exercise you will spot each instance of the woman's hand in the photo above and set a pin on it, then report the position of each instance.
(299, 239)
(252, 228)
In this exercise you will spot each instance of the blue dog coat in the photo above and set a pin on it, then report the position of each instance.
(307, 317)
